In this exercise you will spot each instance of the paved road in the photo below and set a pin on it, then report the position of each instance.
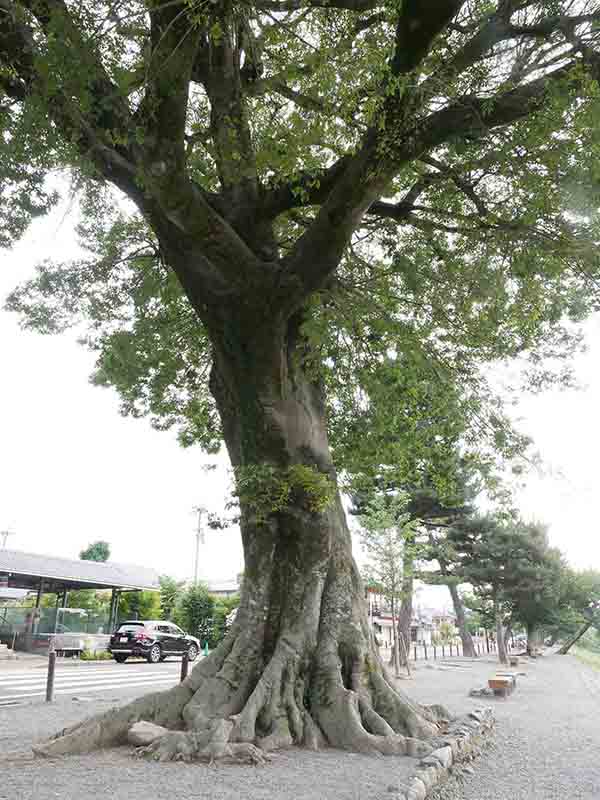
(22, 685)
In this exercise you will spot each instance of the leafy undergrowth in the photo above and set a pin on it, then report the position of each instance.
(589, 657)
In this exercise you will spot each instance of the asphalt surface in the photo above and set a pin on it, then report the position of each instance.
(21, 684)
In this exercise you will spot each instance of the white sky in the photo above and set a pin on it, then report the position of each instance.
(72, 470)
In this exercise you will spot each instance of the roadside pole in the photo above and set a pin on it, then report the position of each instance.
(51, 668)
(185, 663)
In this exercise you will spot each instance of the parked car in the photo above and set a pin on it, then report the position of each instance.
(153, 640)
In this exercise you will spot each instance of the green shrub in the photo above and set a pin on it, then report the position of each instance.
(95, 655)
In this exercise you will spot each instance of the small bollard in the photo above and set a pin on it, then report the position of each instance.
(50, 679)
(415, 651)
(185, 663)
(451, 650)
(425, 647)
(206, 647)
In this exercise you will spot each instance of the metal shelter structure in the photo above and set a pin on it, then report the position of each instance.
(45, 574)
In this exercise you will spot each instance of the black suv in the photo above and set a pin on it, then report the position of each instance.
(153, 640)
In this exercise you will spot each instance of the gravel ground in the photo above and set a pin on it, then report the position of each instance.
(546, 747)
(547, 740)
(296, 774)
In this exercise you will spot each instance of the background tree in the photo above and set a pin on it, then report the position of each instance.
(139, 605)
(583, 601)
(515, 573)
(436, 515)
(536, 592)
(314, 188)
(170, 592)
(97, 551)
(195, 611)
(221, 614)
(483, 553)
(446, 633)
(385, 530)
(94, 602)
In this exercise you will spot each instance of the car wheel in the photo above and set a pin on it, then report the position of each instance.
(120, 658)
(192, 653)
(155, 654)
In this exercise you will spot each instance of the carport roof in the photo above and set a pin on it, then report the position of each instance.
(26, 569)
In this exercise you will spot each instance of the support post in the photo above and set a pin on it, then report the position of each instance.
(185, 663)
(113, 610)
(51, 668)
(40, 592)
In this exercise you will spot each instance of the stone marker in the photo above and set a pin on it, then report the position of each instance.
(144, 733)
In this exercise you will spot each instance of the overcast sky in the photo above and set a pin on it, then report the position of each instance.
(72, 470)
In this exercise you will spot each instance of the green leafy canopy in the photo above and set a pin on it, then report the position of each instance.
(479, 245)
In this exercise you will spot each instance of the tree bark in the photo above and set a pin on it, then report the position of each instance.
(461, 622)
(502, 656)
(406, 605)
(299, 665)
(532, 640)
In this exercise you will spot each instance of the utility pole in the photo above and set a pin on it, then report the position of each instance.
(199, 539)
(5, 535)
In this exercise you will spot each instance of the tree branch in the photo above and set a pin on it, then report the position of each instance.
(465, 186)
(228, 121)
(363, 180)
(102, 131)
(211, 259)
(419, 24)
(295, 5)
(162, 113)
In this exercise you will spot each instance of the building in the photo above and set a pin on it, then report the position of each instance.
(425, 624)
(224, 588)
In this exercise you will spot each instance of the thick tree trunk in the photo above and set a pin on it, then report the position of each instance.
(461, 622)
(533, 640)
(502, 655)
(299, 665)
(459, 610)
(406, 605)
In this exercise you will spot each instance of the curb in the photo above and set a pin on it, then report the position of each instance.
(458, 745)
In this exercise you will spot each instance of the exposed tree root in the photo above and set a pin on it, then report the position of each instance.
(211, 746)
(327, 689)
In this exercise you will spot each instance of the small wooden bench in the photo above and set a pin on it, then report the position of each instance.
(502, 685)
(505, 673)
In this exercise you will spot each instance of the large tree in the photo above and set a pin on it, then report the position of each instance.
(317, 185)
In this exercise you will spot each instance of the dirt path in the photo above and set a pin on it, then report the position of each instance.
(547, 743)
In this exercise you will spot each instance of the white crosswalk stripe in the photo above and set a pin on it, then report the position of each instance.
(21, 685)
